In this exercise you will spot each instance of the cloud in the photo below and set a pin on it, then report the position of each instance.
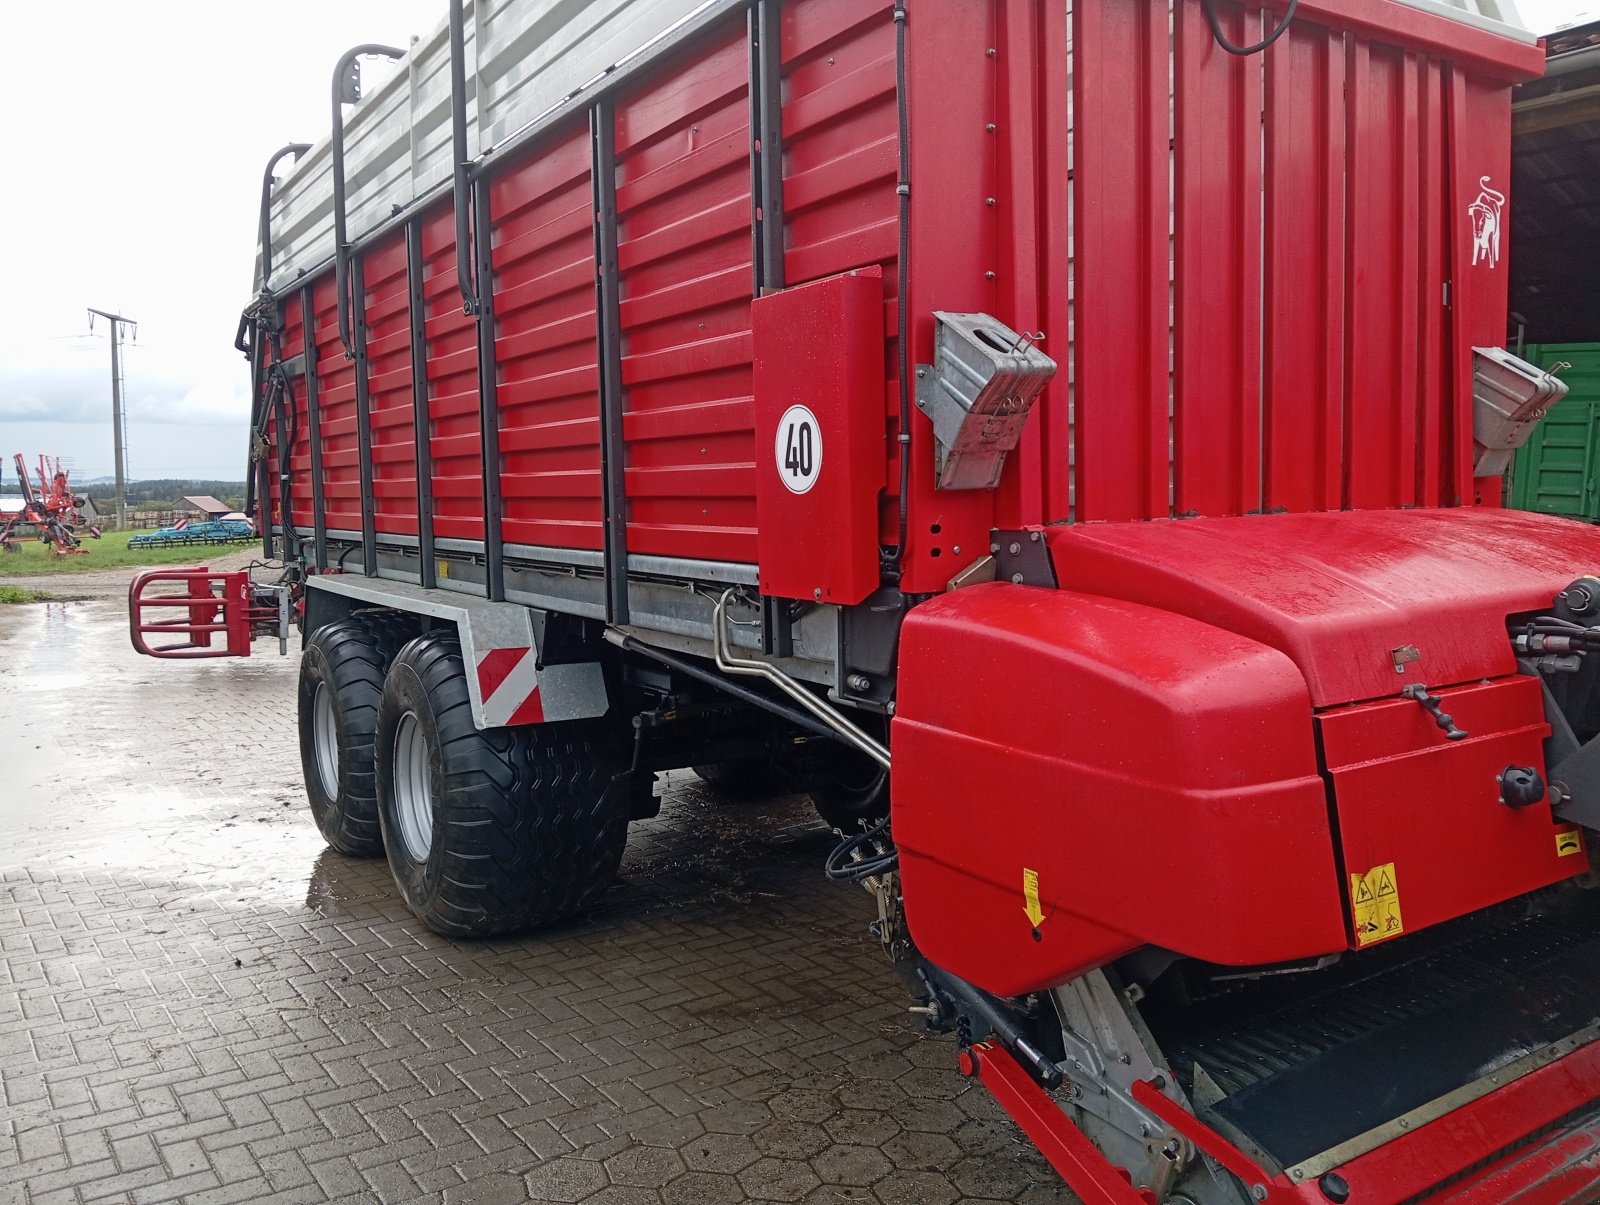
(75, 394)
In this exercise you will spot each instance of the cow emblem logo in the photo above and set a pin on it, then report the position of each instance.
(1484, 214)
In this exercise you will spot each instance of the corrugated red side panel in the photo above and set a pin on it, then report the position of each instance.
(1121, 208)
(954, 83)
(1303, 399)
(456, 439)
(840, 168)
(293, 341)
(336, 409)
(263, 467)
(1217, 358)
(684, 262)
(394, 449)
(1312, 233)
(269, 505)
(1479, 123)
(1031, 235)
(546, 346)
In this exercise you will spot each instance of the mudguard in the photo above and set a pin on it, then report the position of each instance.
(1076, 777)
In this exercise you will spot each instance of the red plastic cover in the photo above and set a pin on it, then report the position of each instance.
(1076, 777)
(819, 437)
(1340, 592)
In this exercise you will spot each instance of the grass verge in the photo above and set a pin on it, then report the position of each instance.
(111, 551)
(17, 594)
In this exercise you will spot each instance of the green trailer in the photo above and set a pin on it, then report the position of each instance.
(1558, 470)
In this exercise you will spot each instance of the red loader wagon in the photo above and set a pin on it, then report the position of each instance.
(1065, 441)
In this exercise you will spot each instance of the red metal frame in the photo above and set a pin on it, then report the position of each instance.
(1563, 1170)
(207, 612)
(1085, 1169)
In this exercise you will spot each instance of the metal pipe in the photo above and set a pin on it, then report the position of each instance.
(729, 664)
(632, 644)
(346, 88)
(1572, 60)
(296, 149)
(462, 184)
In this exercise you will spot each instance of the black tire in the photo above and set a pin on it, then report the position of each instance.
(526, 825)
(854, 794)
(344, 662)
(746, 779)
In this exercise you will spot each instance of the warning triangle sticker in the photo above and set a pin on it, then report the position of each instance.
(1363, 893)
(1385, 884)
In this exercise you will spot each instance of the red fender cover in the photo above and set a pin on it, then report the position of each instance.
(1339, 592)
(1139, 776)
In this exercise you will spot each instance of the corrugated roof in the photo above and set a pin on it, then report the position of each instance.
(205, 502)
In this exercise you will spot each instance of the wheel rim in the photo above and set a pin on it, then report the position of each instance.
(325, 737)
(413, 788)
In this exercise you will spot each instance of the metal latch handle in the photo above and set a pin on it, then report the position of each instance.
(1434, 705)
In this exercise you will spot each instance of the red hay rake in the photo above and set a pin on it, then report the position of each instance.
(52, 508)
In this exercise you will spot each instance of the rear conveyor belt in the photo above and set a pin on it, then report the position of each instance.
(1315, 1061)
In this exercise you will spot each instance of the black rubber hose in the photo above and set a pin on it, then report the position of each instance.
(1210, 7)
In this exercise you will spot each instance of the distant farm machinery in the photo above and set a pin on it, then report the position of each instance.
(51, 508)
(208, 531)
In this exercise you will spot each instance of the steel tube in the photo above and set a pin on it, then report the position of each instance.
(729, 664)
(341, 262)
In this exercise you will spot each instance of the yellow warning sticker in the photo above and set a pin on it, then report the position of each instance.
(1375, 905)
(443, 569)
(1030, 897)
(1568, 841)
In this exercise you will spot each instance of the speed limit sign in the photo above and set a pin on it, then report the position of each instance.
(798, 449)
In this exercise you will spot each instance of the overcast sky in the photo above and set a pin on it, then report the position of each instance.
(134, 138)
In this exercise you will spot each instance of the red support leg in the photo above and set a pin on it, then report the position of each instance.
(1086, 1170)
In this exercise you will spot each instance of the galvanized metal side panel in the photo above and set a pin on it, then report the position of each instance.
(684, 259)
(393, 440)
(524, 58)
(544, 301)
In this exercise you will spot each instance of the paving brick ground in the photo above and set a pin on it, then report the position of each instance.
(198, 1002)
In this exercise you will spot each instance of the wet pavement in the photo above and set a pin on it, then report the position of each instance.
(199, 1002)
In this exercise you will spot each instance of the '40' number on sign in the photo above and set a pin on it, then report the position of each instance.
(798, 450)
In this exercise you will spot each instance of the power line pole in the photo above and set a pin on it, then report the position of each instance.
(117, 431)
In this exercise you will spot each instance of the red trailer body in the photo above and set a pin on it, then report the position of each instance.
(1099, 419)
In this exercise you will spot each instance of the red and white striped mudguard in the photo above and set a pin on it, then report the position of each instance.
(499, 644)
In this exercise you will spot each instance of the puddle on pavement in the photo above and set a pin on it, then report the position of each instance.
(49, 663)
